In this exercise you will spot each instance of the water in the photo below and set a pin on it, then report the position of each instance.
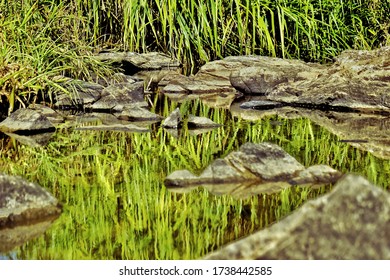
(117, 207)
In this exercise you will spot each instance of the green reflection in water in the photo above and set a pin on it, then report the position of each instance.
(115, 203)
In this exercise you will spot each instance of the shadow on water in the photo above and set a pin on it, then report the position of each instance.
(115, 203)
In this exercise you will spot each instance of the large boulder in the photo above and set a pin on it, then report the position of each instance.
(351, 222)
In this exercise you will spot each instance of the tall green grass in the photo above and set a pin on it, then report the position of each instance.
(197, 31)
(41, 39)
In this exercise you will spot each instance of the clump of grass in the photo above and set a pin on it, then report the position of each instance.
(38, 43)
(197, 31)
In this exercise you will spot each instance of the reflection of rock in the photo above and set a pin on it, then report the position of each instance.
(34, 140)
(254, 169)
(17, 236)
(368, 132)
(26, 120)
(23, 202)
(351, 222)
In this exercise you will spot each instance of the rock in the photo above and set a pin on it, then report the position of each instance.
(357, 82)
(254, 169)
(52, 115)
(367, 132)
(24, 202)
(115, 127)
(173, 120)
(116, 97)
(213, 77)
(351, 222)
(135, 113)
(26, 120)
(200, 122)
(261, 105)
(132, 62)
(81, 93)
(262, 74)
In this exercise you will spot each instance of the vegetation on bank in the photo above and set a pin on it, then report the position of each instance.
(41, 39)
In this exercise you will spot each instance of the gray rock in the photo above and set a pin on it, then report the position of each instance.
(116, 97)
(174, 119)
(357, 81)
(26, 120)
(135, 113)
(200, 122)
(115, 127)
(213, 77)
(254, 169)
(261, 105)
(144, 61)
(80, 93)
(24, 202)
(351, 222)
(52, 115)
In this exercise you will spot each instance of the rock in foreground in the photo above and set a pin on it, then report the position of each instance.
(351, 222)
(23, 202)
(26, 120)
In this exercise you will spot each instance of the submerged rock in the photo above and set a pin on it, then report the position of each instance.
(26, 120)
(23, 202)
(254, 169)
(351, 222)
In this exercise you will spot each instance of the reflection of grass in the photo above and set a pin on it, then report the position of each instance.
(116, 207)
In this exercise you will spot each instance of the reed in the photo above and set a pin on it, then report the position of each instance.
(41, 39)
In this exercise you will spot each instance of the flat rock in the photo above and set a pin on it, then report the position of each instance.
(23, 202)
(135, 113)
(200, 122)
(213, 77)
(26, 120)
(351, 222)
(133, 62)
(358, 81)
(115, 127)
(80, 93)
(116, 97)
(254, 169)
